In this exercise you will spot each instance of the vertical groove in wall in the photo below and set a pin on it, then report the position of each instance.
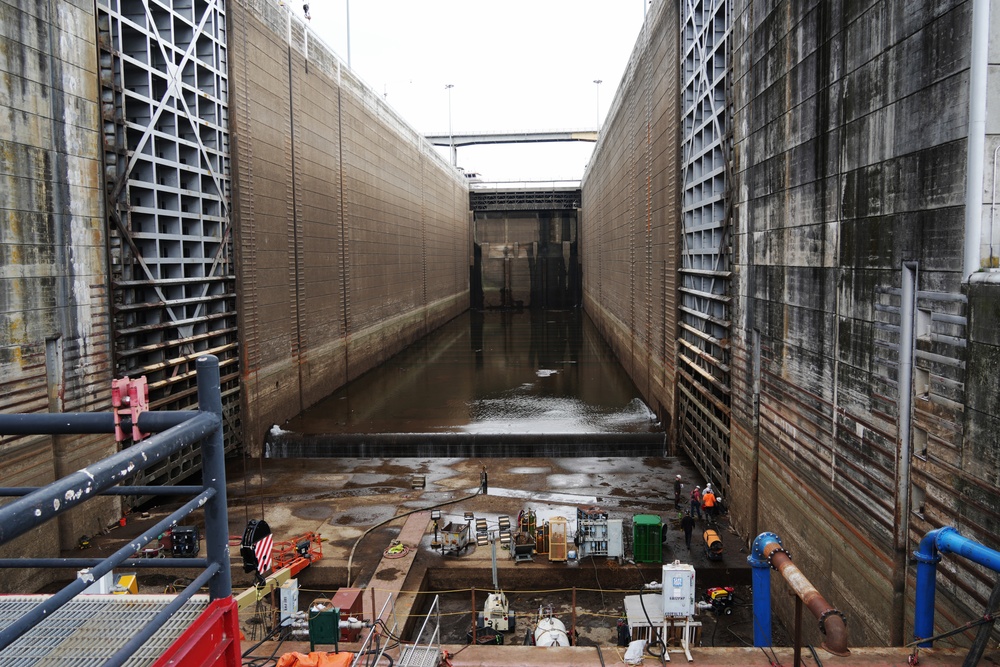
(647, 75)
(248, 278)
(296, 70)
(344, 237)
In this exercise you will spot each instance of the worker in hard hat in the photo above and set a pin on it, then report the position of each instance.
(696, 502)
(708, 503)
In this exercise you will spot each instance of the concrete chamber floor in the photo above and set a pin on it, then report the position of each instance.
(343, 498)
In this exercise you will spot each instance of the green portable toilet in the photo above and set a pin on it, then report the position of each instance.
(647, 540)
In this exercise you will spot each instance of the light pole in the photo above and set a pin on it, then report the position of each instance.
(598, 116)
(451, 137)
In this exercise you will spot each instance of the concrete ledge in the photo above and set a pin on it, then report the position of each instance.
(462, 445)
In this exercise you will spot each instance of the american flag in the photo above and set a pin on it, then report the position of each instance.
(262, 550)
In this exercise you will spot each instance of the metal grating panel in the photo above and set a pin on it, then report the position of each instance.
(91, 628)
(704, 319)
(524, 199)
(164, 90)
(420, 656)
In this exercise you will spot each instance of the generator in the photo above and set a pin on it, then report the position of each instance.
(496, 613)
(713, 545)
(721, 599)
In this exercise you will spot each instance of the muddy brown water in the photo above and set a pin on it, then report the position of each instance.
(529, 372)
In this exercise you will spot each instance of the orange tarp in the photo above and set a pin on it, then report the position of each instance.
(342, 659)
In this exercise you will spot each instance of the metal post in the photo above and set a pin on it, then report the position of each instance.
(797, 643)
(214, 474)
(474, 623)
(572, 628)
(597, 115)
(451, 136)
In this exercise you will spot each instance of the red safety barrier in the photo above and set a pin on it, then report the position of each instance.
(213, 640)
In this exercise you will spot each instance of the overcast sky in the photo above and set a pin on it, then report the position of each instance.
(516, 65)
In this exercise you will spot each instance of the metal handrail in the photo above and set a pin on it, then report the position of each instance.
(371, 644)
(36, 506)
(433, 642)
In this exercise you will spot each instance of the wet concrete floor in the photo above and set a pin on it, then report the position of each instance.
(342, 498)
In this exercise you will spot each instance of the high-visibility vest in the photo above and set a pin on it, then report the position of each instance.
(708, 499)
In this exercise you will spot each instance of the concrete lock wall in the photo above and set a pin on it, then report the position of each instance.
(851, 143)
(54, 344)
(628, 223)
(353, 232)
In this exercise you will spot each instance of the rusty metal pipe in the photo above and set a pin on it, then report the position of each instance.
(831, 620)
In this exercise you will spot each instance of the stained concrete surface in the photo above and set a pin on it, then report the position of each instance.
(341, 498)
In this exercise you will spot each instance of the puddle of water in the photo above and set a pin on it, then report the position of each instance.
(363, 516)
(546, 497)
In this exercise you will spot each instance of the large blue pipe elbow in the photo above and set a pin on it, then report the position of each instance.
(937, 542)
(761, 589)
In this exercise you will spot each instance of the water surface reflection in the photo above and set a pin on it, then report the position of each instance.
(490, 373)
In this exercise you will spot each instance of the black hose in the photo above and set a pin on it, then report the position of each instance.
(266, 637)
(985, 630)
(654, 631)
(819, 663)
(384, 655)
(350, 559)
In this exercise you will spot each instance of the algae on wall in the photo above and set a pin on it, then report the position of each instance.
(55, 342)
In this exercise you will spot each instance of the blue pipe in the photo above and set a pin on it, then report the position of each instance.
(761, 588)
(941, 541)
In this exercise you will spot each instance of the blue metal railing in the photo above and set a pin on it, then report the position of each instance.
(172, 432)
(942, 541)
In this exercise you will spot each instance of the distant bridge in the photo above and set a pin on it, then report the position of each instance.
(511, 137)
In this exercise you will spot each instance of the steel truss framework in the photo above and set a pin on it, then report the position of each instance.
(164, 100)
(521, 200)
(704, 317)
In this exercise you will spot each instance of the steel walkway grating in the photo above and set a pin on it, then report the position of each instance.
(91, 628)
(420, 656)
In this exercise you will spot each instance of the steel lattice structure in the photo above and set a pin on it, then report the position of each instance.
(704, 317)
(164, 94)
